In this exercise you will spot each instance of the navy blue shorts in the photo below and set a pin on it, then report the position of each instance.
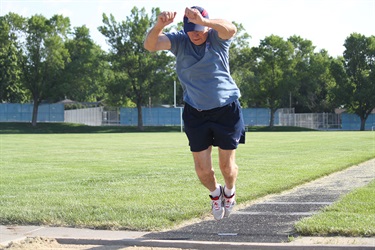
(222, 127)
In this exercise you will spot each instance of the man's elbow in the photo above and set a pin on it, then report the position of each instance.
(233, 31)
(148, 47)
(162, 43)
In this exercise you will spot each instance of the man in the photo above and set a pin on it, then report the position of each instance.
(212, 113)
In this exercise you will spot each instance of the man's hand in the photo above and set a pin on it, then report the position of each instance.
(165, 18)
(194, 16)
(155, 39)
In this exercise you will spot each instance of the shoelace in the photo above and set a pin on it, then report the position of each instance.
(229, 200)
(216, 205)
(228, 203)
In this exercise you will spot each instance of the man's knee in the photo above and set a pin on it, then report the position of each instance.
(229, 169)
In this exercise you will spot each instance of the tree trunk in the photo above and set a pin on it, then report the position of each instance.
(272, 118)
(140, 117)
(35, 112)
(363, 123)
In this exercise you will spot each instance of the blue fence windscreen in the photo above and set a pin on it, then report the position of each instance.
(172, 116)
(256, 116)
(353, 122)
(16, 112)
(151, 116)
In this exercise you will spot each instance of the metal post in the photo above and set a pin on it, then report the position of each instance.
(174, 93)
(181, 122)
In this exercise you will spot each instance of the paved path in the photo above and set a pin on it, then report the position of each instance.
(266, 224)
(272, 219)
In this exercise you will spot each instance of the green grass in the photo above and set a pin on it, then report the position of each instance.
(146, 181)
(353, 215)
(65, 128)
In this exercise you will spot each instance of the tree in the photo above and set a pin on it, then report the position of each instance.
(310, 77)
(241, 63)
(355, 77)
(273, 67)
(282, 73)
(137, 73)
(46, 56)
(243, 72)
(86, 73)
(11, 88)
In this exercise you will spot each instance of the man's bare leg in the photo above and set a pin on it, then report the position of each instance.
(204, 168)
(228, 167)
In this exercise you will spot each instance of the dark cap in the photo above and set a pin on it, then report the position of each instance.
(188, 26)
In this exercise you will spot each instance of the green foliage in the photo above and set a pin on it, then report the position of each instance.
(87, 73)
(11, 88)
(44, 60)
(273, 65)
(242, 64)
(41, 64)
(138, 75)
(309, 78)
(355, 77)
(46, 56)
(280, 74)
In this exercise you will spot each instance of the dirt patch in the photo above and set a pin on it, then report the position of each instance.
(33, 243)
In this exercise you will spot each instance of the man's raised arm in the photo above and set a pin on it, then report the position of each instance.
(155, 39)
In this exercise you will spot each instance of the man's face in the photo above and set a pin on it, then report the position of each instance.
(198, 37)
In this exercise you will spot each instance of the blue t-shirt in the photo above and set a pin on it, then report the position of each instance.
(204, 70)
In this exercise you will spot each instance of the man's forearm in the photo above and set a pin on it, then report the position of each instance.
(225, 29)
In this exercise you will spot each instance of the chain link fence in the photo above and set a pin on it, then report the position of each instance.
(319, 121)
(97, 116)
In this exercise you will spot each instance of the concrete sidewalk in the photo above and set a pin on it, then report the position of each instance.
(265, 224)
(104, 239)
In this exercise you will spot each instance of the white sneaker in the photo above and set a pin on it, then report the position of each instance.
(217, 205)
(229, 203)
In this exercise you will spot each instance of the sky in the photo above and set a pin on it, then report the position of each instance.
(326, 23)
